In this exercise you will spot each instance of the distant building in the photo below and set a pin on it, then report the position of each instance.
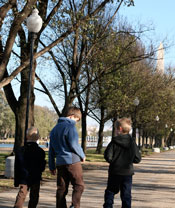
(92, 130)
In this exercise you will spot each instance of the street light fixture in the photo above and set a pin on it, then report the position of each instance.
(136, 103)
(34, 24)
(157, 118)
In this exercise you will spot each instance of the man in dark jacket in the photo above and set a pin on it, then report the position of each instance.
(29, 165)
(65, 147)
(121, 153)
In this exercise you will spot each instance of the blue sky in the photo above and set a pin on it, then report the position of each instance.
(161, 14)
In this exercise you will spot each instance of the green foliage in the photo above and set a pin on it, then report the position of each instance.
(127, 77)
(7, 119)
(78, 127)
(45, 120)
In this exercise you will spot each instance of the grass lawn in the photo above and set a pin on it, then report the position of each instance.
(8, 183)
(4, 182)
(91, 156)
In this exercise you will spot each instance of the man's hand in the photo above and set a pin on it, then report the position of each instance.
(84, 159)
(53, 172)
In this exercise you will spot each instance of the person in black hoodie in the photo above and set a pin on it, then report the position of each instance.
(121, 153)
(29, 164)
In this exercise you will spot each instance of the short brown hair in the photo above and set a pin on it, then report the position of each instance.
(74, 111)
(32, 134)
(125, 124)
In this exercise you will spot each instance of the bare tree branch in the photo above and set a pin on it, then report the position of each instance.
(49, 95)
(12, 35)
(36, 55)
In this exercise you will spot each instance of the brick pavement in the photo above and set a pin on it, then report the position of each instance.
(153, 185)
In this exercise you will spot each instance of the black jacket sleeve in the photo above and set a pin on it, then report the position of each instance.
(112, 152)
(21, 173)
(43, 161)
(108, 154)
(137, 157)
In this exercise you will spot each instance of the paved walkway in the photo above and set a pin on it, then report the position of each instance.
(153, 185)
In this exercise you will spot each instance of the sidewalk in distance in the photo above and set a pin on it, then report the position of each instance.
(153, 185)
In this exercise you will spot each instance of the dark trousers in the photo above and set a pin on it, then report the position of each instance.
(115, 184)
(65, 174)
(33, 197)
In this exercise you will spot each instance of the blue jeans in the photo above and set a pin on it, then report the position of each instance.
(115, 184)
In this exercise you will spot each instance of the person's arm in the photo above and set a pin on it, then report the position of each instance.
(108, 153)
(51, 156)
(73, 142)
(21, 173)
(43, 161)
(112, 152)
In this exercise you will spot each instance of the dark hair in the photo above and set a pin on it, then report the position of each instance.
(74, 111)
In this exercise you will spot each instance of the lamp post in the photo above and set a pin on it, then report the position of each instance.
(34, 24)
(157, 120)
(165, 139)
(136, 103)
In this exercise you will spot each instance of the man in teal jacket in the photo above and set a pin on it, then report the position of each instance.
(64, 146)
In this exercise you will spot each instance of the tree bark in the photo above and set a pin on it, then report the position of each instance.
(15, 27)
(114, 126)
(100, 133)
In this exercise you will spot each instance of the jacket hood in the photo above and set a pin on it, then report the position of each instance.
(123, 140)
(65, 119)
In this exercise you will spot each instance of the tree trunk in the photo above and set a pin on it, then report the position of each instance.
(146, 141)
(139, 138)
(100, 138)
(100, 133)
(20, 118)
(19, 106)
(114, 126)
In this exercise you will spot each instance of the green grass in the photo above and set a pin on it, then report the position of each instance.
(46, 174)
(146, 152)
(4, 182)
(2, 162)
(92, 156)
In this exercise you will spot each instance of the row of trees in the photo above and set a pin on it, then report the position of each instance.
(86, 57)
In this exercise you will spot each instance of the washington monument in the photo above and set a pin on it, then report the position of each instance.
(160, 59)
